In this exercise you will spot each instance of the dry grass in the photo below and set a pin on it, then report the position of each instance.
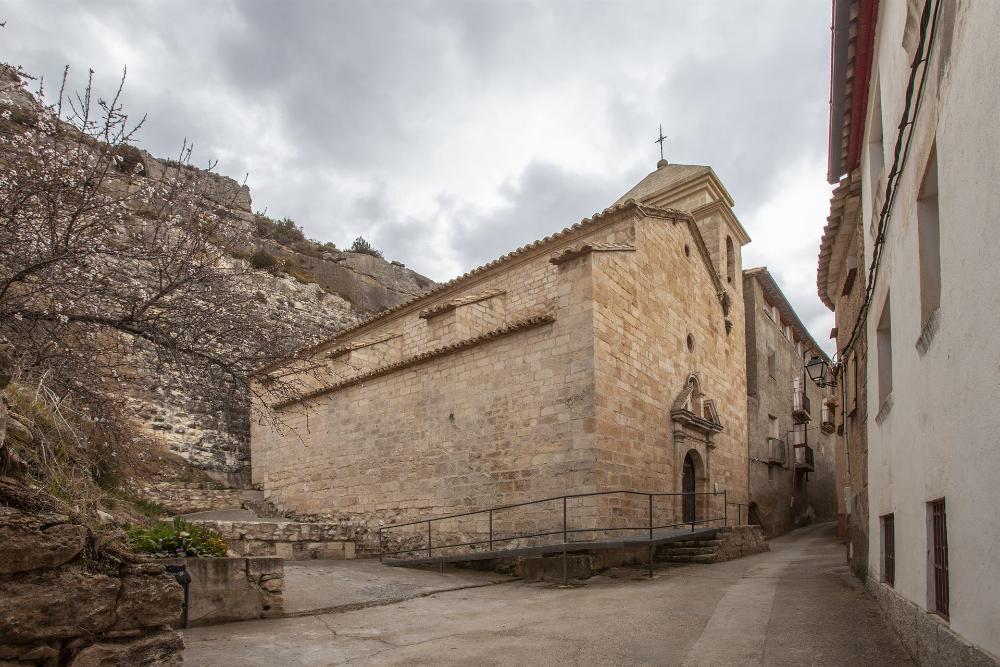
(84, 463)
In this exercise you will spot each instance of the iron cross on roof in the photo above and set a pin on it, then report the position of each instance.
(660, 141)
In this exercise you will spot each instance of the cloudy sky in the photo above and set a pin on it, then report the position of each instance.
(448, 133)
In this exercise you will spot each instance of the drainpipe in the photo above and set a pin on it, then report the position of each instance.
(847, 454)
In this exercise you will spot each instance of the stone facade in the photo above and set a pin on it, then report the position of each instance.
(785, 492)
(595, 359)
(913, 149)
(59, 606)
(842, 283)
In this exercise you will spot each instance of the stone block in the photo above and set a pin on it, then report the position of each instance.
(149, 600)
(284, 550)
(161, 649)
(67, 602)
(29, 542)
(265, 567)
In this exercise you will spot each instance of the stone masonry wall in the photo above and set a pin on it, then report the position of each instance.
(739, 541)
(498, 420)
(188, 498)
(57, 606)
(291, 540)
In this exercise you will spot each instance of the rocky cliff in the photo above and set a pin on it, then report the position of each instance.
(314, 287)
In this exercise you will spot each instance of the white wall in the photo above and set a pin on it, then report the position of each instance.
(940, 435)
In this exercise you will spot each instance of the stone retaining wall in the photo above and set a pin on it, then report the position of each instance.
(59, 605)
(739, 541)
(290, 540)
(179, 498)
(233, 589)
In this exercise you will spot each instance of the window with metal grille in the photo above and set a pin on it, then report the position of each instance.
(939, 555)
(888, 550)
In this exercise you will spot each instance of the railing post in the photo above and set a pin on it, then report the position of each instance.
(428, 539)
(725, 507)
(381, 548)
(565, 568)
(491, 530)
(650, 535)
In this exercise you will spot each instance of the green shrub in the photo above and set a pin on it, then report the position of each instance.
(284, 231)
(363, 246)
(179, 539)
(262, 259)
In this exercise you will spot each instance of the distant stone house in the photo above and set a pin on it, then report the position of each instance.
(609, 355)
(790, 420)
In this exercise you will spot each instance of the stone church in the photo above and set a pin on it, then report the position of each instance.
(608, 355)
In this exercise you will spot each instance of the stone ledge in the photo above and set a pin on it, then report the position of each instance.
(588, 248)
(290, 540)
(361, 344)
(223, 590)
(449, 306)
(929, 640)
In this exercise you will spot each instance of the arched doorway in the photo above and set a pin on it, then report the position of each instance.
(689, 513)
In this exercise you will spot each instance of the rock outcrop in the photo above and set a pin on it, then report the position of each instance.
(61, 602)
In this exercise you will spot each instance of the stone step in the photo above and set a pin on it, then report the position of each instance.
(686, 558)
(691, 543)
(689, 551)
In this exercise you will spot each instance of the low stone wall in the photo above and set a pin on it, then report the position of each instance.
(233, 589)
(62, 604)
(290, 540)
(179, 498)
(739, 541)
(928, 640)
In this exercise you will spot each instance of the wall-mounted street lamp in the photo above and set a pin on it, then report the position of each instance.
(820, 372)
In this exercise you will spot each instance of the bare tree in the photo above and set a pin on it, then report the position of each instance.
(107, 274)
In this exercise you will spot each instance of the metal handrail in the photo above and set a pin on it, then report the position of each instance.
(547, 500)
(566, 531)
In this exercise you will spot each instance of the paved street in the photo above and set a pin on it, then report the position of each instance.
(792, 606)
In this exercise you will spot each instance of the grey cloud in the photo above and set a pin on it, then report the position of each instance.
(347, 101)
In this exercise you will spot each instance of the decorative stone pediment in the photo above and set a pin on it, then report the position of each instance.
(693, 414)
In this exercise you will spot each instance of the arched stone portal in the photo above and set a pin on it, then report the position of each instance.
(695, 423)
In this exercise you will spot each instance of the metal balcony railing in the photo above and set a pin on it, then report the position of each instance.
(828, 418)
(800, 406)
(776, 451)
(804, 459)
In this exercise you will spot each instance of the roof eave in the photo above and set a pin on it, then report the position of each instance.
(840, 42)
